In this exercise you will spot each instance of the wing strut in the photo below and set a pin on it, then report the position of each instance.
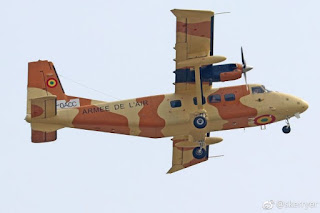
(198, 87)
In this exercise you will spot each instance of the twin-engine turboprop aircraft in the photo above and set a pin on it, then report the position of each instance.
(188, 115)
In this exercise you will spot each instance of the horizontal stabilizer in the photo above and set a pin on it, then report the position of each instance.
(44, 107)
(40, 137)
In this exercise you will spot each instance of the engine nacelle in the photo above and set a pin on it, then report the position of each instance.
(220, 73)
(210, 73)
(229, 76)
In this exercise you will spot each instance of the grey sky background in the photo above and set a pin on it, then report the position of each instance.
(125, 48)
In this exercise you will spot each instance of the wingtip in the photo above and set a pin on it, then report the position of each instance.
(175, 168)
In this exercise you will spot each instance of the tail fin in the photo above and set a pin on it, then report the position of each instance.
(45, 97)
(43, 81)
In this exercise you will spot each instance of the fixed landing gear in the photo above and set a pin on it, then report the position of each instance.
(200, 122)
(286, 129)
(199, 153)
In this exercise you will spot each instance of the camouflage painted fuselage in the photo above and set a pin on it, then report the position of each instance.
(154, 117)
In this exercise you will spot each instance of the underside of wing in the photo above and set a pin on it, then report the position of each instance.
(183, 156)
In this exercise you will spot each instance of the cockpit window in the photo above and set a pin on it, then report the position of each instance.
(256, 90)
(266, 90)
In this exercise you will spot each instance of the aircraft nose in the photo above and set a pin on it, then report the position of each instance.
(300, 105)
(303, 105)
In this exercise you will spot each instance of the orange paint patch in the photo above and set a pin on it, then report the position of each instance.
(194, 161)
(42, 75)
(101, 121)
(36, 111)
(201, 29)
(234, 112)
(151, 123)
(40, 137)
(228, 76)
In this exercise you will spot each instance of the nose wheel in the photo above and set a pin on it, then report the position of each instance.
(286, 129)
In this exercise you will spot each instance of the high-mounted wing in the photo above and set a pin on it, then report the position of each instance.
(194, 36)
(194, 48)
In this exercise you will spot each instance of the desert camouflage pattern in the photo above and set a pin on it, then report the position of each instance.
(169, 115)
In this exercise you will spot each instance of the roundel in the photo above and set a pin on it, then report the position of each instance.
(264, 119)
(52, 83)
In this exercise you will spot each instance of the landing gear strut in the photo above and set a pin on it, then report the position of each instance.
(286, 129)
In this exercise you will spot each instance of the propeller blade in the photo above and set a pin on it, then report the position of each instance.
(243, 60)
(245, 79)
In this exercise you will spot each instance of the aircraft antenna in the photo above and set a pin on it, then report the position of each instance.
(85, 86)
(216, 156)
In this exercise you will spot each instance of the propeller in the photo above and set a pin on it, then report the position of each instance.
(245, 68)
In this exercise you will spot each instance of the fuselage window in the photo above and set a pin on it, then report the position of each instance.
(195, 102)
(175, 103)
(229, 97)
(214, 98)
(256, 90)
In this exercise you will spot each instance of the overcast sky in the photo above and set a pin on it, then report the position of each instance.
(125, 49)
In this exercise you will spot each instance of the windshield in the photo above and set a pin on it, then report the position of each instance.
(265, 88)
(259, 89)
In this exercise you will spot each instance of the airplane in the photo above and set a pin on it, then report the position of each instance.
(188, 115)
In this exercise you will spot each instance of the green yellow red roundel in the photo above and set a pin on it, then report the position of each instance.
(52, 82)
(264, 119)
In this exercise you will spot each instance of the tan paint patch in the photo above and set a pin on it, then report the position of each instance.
(44, 126)
(34, 93)
(101, 121)
(177, 119)
(151, 124)
(96, 102)
(131, 113)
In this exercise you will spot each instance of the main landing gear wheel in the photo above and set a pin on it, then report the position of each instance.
(199, 153)
(200, 122)
(286, 129)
